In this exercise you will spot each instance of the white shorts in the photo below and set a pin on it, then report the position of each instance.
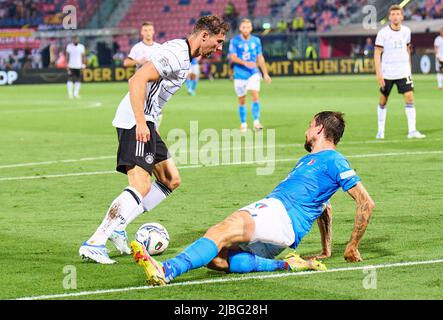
(273, 228)
(243, 86)
(195, 69)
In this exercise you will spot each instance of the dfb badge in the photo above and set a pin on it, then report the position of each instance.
(149, 158)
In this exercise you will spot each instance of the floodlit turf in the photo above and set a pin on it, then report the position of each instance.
(43, 221)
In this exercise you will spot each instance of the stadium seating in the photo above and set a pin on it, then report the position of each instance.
(45, 14)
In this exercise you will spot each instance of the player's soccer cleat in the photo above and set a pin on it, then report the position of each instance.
(416, 135)
(120, 241)
(243, 129)
(98, 254)
(155, 276)
(380, 135)
(258, 127)
(296, 263)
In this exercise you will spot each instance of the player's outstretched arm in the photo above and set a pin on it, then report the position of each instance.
(137, 94)
(324, 223)
(365, 206)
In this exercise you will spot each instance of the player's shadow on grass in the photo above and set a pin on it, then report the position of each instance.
(369, 247)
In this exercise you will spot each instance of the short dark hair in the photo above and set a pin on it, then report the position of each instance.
(213, 24)
(333, 123)
(147, 24)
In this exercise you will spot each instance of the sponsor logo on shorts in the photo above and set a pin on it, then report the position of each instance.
(149, 158)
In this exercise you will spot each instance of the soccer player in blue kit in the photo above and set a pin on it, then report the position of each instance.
(245, 53)
(250, 238)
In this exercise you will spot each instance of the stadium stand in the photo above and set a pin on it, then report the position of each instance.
(44, 14)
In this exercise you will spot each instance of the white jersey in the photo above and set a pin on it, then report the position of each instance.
(76, 53)
(439, 44)
(141, 50)
(396, 62)
(172, 61)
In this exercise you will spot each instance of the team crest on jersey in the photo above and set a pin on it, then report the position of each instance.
(260, 205)
(149, 158)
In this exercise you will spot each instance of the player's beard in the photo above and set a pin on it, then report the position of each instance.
(309, 144)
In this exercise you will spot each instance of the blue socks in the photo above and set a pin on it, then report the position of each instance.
(243, 112)
(197, 255)
(256, 110)
(191, 85)
(245, 262)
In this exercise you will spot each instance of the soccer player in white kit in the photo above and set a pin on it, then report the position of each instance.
(144, 50)
(141, 150)
(75, 55)
(438, 45)
(394, 68)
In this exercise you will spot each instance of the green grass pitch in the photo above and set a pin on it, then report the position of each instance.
(44, 220)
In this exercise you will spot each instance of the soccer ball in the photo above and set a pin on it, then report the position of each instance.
(154, 237)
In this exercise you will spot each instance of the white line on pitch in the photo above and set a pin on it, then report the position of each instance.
(232, 279)
(76, 174)
(49, 162)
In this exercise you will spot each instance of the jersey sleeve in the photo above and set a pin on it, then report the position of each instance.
(380, 40)
(408, 42)
(232, 47)
(259, 47)
(343, 174)
(133, 53)
(436, 42)
(167, 62)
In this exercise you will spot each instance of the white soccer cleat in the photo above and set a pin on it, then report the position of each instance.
(380, 135)
(98, 254)
(243, 128)
(416, 135)
(120, 241)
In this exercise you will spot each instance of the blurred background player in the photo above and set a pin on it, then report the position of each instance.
(75, 55)
(245, 51)
(144, 50)
(194, 75)
(438, 47)
(394, 68)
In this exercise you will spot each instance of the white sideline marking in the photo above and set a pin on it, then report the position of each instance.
(370, 155)
(231, 279)
(49, 162)
(87, 105)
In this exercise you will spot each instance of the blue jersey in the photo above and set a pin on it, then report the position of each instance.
(246, 50)
(312, 182)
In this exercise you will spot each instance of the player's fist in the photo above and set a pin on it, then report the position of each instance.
(142, 132)
(352, 254)
(267, 78)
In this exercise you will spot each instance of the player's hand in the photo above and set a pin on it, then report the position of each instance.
(250, 64)
(352, 254)
(381, 82)
(267, 78)
(142, 132)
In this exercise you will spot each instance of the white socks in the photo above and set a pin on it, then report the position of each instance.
(70, 85)
(124, 207)
(156, 195)
(381, 118)
(440, 80)
(77, 86)
(410, 114)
